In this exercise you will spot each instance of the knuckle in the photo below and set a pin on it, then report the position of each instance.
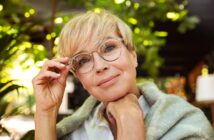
(110, 105)
(46, 63)
(55, 59)
(34, 80)
(132, 96)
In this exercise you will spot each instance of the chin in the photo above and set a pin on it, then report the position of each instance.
(114, 92)
(113, 95)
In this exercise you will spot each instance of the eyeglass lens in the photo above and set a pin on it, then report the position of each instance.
(110, 50)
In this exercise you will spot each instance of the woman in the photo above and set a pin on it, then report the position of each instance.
(98, 49)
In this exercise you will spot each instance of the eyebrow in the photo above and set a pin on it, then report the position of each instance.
(96, 44)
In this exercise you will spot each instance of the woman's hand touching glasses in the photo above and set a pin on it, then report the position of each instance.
(49, 84)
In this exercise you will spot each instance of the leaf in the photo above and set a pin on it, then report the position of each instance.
(8, 90)
(2, 85)
(4, 131)
(5, 41)
(189, 23)
(14, 111)
(3, 108)
(8, 109)
(28, 136)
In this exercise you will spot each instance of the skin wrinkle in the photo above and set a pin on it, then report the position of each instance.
(124, 66)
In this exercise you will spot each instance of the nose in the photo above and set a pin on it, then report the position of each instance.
(100, 64)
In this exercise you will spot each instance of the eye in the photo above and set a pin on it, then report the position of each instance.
(109, 48)
(81, 60)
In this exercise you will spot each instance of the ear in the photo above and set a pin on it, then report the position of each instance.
(135, 58)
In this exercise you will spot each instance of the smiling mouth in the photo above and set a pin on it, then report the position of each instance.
(108, 81)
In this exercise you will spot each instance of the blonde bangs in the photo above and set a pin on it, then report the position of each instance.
(80, 30)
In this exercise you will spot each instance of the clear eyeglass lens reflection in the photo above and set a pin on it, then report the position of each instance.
(110, 50)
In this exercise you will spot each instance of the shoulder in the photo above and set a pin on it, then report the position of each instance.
(172, 117)
(74, 121)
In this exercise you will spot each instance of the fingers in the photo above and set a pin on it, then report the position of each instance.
(42, 78)
(123, 104)
(132, 97)
(63, 60)
(112, 122)
(53, 69)
(58, 63)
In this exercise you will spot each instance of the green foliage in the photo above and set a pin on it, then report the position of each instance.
(7, 108)
(14, 35)
(7, 87)
(16, 28)
(28, 136)
(8, 42)
(3, 130)
(188, 23)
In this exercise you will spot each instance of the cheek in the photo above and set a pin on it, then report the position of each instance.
(129, 66)
(129, 71)
(129, 78)
(86, 82)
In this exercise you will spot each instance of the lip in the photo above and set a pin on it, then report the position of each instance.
(107, 81)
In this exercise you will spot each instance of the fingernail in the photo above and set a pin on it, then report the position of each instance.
(62, 65)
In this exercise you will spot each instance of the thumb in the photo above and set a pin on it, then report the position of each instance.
(112, 123)
(110, 118)
(64, 74)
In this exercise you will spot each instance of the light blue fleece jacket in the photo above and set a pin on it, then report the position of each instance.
(169, 117)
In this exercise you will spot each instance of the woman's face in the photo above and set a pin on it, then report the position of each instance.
(110, 80)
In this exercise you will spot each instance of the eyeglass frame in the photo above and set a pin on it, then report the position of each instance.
(73, 70)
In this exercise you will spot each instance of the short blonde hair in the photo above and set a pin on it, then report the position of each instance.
(80, 29)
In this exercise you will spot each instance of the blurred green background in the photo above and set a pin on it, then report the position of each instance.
(29, 31)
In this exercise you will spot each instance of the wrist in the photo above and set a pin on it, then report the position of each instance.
(130, 128)
(53, 111)
(45, 124)
(134, 114)
(125, 122)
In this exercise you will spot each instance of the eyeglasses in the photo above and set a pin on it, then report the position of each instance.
(109, 50)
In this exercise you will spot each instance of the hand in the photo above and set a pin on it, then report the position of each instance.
(125, 116)
(50, 83)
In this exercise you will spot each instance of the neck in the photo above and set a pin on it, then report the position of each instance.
(137, 92)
